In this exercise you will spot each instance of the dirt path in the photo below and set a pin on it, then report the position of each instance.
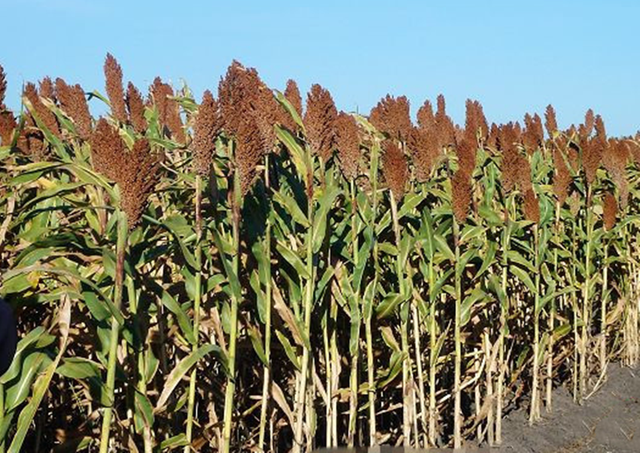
(609, 421)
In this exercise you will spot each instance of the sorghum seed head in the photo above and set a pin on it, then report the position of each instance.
(426, 118)
(206, 127)
(46, 116)
(168, 109)
(319, 121)
(391, 116)
(609, 211)
(460, 195)
(395, 168)
(74, 103)
(135, 109)
(562, 177)
(115, 91)
(444, 125)
(531, 206)
(107, 149)
(425, 150)
(550, 121)
(291, 94)
(348, 143)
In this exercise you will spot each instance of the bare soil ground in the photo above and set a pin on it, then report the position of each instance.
(609, 421)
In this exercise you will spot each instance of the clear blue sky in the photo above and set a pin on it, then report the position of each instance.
(512, 56)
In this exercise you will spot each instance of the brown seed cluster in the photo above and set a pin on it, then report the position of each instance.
(425, 151)
(46, 116)
(461, 195)
(7, 120)
(585, 129)
(135, 109)
(319, 121)
(533, 135)
(426, 118)
(46, 89)
(395, 168)
(292, 94)
(531, 206)
(136, 171)
(249, 112)
(113, 86)
(168, 109)
(348, 143)
(206, 128)
(508, 140)
(562, 177)
(475, 121)
(466, 152)
(444, 124)
(550, 121)
(74, 103)
(391, 117)
(609, 211)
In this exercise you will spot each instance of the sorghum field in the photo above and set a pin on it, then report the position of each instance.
(251, 272)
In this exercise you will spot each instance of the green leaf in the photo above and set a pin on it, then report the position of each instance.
(183, 367)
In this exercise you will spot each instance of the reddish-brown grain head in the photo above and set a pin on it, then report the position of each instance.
(466, 152)
(47, 89)
(168, 109)
(268, 112)
(391, 116)
(562, 177)
(507, 143)
(550, 121)
(531, 206)
(395, 168)
(7, 126)
(348, 144)
(585, 129)
(426, 118)
(74, 103)
(592, 152)
(319, 121)
(292, 94)
(137, 178)
(249, 152)
(3, 88)
(46, 116)
(114, 88)
(237, 92)
(107, 149)
(425, 151)
(609, 211)
(206, 127)
(444, 124)
(475, 122)
(135, 109)
(460, 195)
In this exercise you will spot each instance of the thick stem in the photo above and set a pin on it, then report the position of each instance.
(112, 362)
(353, 380)
(373, 440)
(534, 413)
(504, 307)
(433, 358)
(308, 305)
(196, 310)
(266, 378)
(585, 301)
(407, 412)
(603, 309)
(457, 395)
(233, 336)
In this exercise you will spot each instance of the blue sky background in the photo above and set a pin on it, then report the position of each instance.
(514, 57)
